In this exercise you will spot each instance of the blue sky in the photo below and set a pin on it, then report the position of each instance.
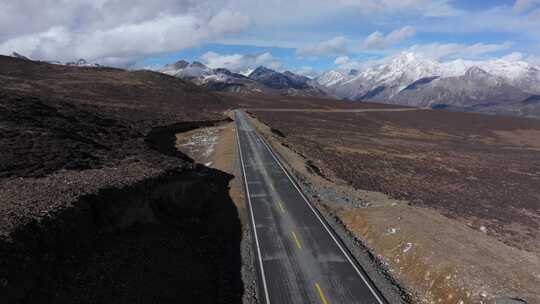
(300, 35)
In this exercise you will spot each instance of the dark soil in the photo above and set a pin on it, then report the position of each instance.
(56, 117)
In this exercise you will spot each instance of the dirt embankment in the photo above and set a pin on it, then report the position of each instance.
(216, 148)
(438, 259)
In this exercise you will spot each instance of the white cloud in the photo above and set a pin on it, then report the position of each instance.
(342, 60)
(430, 8)
(361, 64)
(274, 14)
(138, 31)
(514, 56)
(518, 56)
(334, 46)
(240, 62)
(307, 71)
(521, 6)
(378, 40)
(458, 50)
(534, 60)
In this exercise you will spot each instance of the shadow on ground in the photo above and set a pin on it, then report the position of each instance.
(173, 239)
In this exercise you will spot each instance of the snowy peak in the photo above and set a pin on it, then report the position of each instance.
(276, 80)
(181, 64)
(353, 73)
(331, 78)
(410, 66)
(197, 64)
(476, 72)
(261, 79)
(261, 72)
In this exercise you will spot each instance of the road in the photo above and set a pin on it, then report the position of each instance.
(300, 259)
(337, 110)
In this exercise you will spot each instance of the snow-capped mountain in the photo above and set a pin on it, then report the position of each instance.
(79, 63)
(473, 88)
(332, 77)
(276, 80)
(82, 63)
(259, 80)
(195, 72)
(414, 80)
(407, 79)
(408, 67)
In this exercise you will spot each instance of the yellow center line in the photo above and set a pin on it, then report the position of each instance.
(281, 207)
(296, 240)
(321, 293)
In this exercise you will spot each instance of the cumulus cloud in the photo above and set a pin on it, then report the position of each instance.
(342, 60)
(458, 50)
(360, 64)
(534, 60)
(514, 56)
(307, 71)
(136, 33)
(334, 46)
(378, 40)
(521, 6)
(240, 62)
(425, 7)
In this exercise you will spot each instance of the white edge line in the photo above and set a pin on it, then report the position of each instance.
(323, 223)
(252, 217)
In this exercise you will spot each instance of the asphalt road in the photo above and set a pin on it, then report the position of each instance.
(300, 259)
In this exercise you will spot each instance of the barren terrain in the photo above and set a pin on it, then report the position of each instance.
(97, 204)
(454, 192)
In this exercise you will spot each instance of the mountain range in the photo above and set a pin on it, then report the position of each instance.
(498, 86)
(260, 80)
(80, 63)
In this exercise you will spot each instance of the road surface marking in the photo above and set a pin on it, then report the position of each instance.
(296, 240)
(318, 216)
(281, 207)
(321, 293)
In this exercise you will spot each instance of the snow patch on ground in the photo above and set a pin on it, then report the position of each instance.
(392, 230)
(407, 247)
(203, 142)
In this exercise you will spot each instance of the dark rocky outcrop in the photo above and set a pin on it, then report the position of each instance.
(276, 80)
